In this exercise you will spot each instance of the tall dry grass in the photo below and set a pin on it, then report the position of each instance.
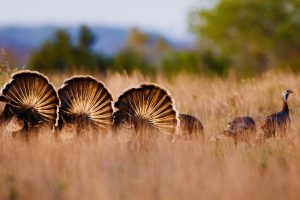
(105, 168)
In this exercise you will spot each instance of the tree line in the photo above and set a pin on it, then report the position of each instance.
(234, 36)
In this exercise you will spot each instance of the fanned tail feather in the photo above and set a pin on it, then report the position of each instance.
(85, 101)
(146, 107)
(30, 98)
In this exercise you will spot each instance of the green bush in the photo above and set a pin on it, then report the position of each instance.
(193, 62)
(254, 35)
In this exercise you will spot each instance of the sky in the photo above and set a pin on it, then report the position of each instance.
(165, 16)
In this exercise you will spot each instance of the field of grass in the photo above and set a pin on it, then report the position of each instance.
(105, 168)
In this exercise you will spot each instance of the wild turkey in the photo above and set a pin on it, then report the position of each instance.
(30, 102)
(147, 107)
(240, 129)
(190, 127)
(276, 123)
(85, 102)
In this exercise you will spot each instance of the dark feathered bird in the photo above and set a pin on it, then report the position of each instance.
(190, 127)
(30, 102)
(85, 102)
(276, 123)
(240, 129)
(146, 107)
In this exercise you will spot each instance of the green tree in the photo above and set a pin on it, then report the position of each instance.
(255, 35)
(84, 58)
(136, 55)
(137, 42)
(53, 56)
(129, 61)
(193, 62)
(61, 55)
(86, 38)
(161, 46)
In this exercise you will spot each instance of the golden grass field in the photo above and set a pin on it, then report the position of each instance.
(105, 168)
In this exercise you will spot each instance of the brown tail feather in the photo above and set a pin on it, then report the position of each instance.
(147, 106)
(30, 97)
(84, 100)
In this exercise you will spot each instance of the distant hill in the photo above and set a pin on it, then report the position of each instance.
(22, 41)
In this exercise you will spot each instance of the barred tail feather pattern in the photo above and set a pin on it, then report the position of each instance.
(147, 106)
(84, 100)
(30, 97)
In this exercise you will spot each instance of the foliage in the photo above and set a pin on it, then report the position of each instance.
(255, 35)
(129, 61)
(137, 42)
(193, 62)
(61, 55)
(142, 52)
(139, 54)
(234, 36)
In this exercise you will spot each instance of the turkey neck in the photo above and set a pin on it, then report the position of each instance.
(285, 107)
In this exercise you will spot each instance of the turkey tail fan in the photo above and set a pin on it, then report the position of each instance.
(147, 106)
(31, 100)
(85, 101)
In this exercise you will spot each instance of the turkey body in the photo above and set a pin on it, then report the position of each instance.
(277, 123)
(190, 127)
(241, 129)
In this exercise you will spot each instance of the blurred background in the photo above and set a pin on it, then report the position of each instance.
(170, 37)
